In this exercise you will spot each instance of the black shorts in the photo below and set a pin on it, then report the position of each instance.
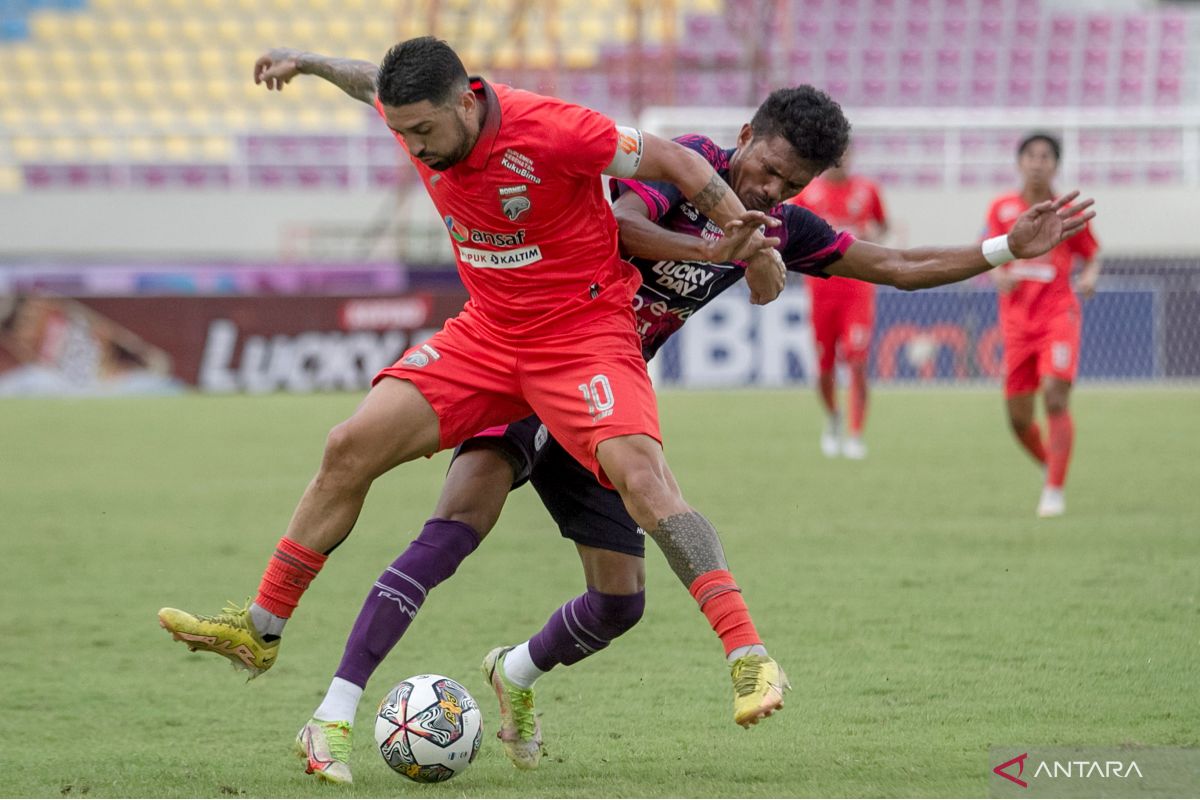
(585, 512)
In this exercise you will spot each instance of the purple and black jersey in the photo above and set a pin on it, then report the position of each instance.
(672, 291)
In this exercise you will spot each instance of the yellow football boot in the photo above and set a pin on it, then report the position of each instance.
(230, 633)
(758, 687)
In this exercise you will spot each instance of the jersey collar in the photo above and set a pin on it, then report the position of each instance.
(478, 157)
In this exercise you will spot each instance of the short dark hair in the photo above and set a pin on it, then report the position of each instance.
(1041, 136)
(810, 120)
(424, 68)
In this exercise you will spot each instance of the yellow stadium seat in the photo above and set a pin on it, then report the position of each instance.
(162, 118)
(87, 118)
(108, 90)
(74, 90)
(15, 116)
(49, 26)
(216, 148)
(194, 30)
(65, 148)
(539, 56)
(138, 62)
(50, 118)
(120, 31)
(27, 148)
(11, 180)
(198, 118)
(231, 28)
(349, 119)
(178, 147)
(101, 148)
(274, 119)
(158, 31)
(124, 118)
(145, 90)
(579, 56)
(268, 30)
(140, 148)
(301, 31)
(100, 61)
(309, 118)
(236, 118)
(85, 28)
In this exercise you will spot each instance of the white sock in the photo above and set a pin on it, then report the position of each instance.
(519, 667)
(267, 623)
(746, 650)
(340, 703)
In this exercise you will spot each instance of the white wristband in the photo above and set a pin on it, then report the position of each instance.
(996, 252)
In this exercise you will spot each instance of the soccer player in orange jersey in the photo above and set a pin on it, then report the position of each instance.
(1040, 318)
(843, 310)
(548, 329)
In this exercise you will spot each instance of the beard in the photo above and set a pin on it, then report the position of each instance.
(439, 162)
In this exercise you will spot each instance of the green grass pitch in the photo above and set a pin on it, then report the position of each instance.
(921, 611)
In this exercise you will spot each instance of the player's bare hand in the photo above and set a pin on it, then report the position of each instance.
(766, 276)
(276, 67)
(1049, 223)
(743, 237)
(1085, 281)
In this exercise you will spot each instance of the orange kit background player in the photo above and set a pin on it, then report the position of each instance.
(843, 309)
(1040, 318)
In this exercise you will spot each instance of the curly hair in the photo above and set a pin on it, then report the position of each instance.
(424, 68)
(810, 120)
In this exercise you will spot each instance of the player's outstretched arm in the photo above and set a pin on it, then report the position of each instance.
(1035, 233)
(664, 160)
(278, 66)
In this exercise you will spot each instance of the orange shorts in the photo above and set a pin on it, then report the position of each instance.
(587, 385)
(1052, 351)
(843, 319)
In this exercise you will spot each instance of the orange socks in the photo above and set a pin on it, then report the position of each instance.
(289, 572)
(721, 601)
(1062, 437)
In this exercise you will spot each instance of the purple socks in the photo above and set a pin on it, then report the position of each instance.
(399, 592)
(583, 626)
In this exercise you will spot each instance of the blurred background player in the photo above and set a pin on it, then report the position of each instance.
(1040, 319)
(843, 310)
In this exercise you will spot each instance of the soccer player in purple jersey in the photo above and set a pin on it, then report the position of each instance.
(685, 263)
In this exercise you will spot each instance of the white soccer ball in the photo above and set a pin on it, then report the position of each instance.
(428, 728)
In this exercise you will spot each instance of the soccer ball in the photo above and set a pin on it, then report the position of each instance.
(428, 728)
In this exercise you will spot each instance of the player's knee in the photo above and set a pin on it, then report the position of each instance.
(1056, 398)
(647, 494)
(344, 463)
(619, 612)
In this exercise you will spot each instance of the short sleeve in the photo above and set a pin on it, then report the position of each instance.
(992, 226)
(1084, 244)
(580, 142)
(808, 244)
(877, 212)
(660, 197)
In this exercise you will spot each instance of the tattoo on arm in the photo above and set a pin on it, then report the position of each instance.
(691, 545)
(355, 78)
(708, 197)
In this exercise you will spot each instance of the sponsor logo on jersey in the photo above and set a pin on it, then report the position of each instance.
(500, 259)
(457, 230)
(421, 356)
(514, 207)
(520, 164)
(498, 239)
(690, 280)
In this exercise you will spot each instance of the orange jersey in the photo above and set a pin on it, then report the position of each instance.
(852, 205)
(534, 237)
(1043, 288)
